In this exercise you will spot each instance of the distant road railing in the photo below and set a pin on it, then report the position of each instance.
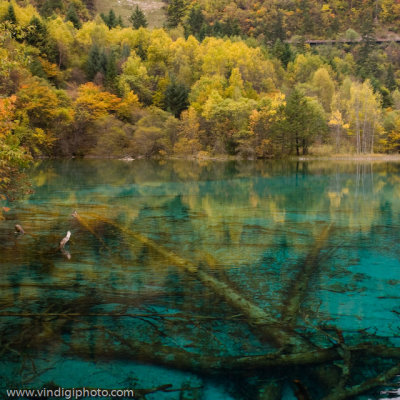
(316, 42)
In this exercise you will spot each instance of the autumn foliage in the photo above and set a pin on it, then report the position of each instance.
(74, 85)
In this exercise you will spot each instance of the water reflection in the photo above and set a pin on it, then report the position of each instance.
(177, 269)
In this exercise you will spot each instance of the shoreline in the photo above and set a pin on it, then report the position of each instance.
(351, 157)
(310, 157)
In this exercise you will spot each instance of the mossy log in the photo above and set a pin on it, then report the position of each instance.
(177, 358)
(158, 354)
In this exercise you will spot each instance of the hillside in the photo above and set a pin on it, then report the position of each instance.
(153, 9)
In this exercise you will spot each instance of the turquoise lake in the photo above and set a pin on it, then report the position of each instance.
(204, 276)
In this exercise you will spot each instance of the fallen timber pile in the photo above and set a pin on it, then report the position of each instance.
(292, 350)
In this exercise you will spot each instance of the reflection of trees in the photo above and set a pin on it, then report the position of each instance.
(198, 273)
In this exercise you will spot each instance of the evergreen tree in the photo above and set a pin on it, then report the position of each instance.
(73, 16)
(304, 120)
(37, 34)
(283, 52)
(111, 71)
(231, 28)
(278, 31)
(138, 18)
(97, 62)
(390, 81)
(175, 13)
(216, 29)
(111, 19)
(367, 66)
(10, 16)
(176, 98)
(120, 22)
(194, 24)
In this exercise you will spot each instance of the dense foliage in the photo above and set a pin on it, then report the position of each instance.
(271, 20)
(76, 84)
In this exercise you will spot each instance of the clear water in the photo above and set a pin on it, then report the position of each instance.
(112, 311)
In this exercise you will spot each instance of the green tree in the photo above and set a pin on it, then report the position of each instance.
(195, 23)
(110, 20)
(97, 61)
(304, 120)
(176, 98)
(229, 28)
(283, 52)
(111, 71)
(10, 16)
(138, 18)
(390, 80)
(175, 12)
(73, 16)
(367, 66)
(278, 31)
(37, 35)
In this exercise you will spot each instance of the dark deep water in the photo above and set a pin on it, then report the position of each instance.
(320, 239)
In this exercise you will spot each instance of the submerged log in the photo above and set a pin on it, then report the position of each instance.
(342, 393)
(65, 240)
(299, 287)
(177, 358)
(87, 226)
(19, 229)
(265, 324)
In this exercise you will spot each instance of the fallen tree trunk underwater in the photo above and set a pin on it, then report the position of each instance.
(298, 289)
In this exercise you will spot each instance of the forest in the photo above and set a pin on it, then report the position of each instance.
(218, 79)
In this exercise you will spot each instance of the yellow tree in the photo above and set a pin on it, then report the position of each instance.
(63, 34)
(221, 56)
(338, 125)
(188, 134)
(324, 87)
(135, 77)
(262, 121)
(364, 115)
(11, 153)
(40, 113)
(93, 103)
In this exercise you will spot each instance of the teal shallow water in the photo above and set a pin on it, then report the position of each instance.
(95, 319)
